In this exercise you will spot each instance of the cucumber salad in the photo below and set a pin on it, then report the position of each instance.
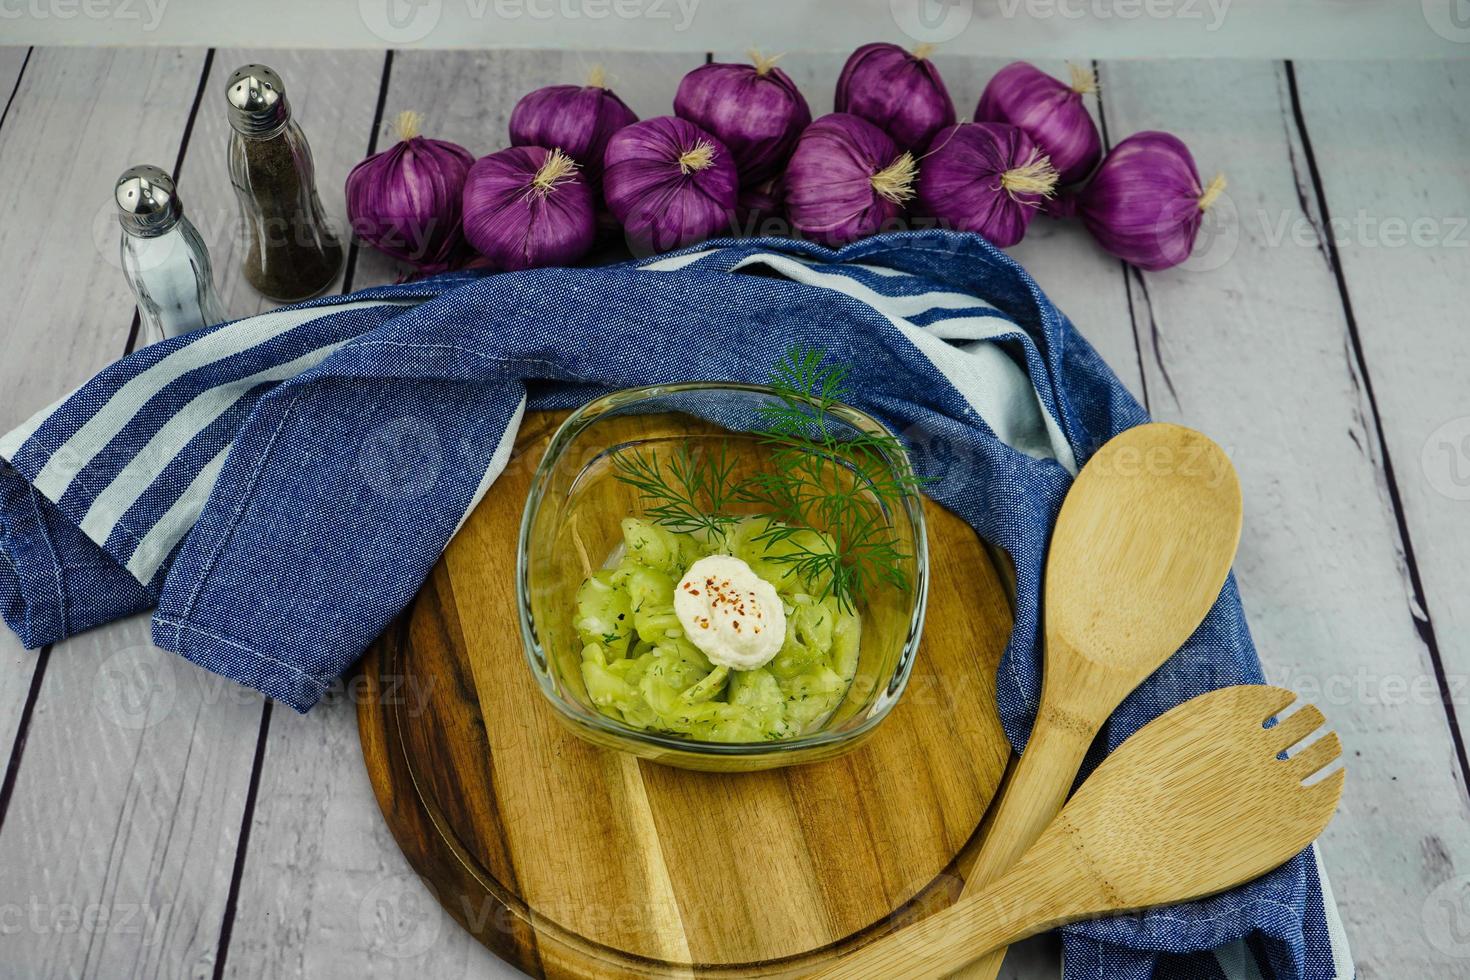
(710, 634)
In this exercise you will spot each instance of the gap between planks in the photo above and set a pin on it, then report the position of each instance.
(1425, 626)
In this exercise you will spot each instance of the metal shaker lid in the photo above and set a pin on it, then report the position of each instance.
(257, 99)
(147, 203)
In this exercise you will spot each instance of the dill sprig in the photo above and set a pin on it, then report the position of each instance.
(691, 497)
(839, 481)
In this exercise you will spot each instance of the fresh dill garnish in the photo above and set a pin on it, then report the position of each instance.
(691, 496)
(841, 482)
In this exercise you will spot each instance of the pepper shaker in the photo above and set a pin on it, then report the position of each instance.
(163, 257)
(291, 251)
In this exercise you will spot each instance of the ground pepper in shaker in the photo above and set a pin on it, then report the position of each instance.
(163, 257)
(291, 251)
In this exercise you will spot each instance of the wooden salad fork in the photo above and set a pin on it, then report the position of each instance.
(1196, 802)
(1141, 549)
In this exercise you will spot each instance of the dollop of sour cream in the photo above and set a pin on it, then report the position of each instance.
(732, 614)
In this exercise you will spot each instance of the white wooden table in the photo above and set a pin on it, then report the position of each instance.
(158, 821)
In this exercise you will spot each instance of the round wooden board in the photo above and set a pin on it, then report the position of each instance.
(570, 860)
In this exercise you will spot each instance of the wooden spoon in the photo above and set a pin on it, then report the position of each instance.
(1196, 802)
(1141, 548)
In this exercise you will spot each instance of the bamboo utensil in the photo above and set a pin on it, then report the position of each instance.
(1141, 549)
(1196, 802)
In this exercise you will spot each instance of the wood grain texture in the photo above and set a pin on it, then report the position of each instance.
(1251, 346)
(68, 307)
(627, 866)
(1285, 28)
(70, 311)
(17, 664)
(1196, 802)
(121, 834)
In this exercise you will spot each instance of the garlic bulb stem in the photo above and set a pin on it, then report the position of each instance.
(1035, 176)
(408, 124)
(1212, 192)
(697, 157)
(762, 63)
(895, 182)
(1084, 80)
(557, 169)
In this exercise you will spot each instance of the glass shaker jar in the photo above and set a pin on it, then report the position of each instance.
(163, 257)
(291, 251)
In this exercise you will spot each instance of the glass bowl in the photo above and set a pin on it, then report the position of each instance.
(572, 527)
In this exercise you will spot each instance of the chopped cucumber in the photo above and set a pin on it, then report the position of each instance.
(639, 668)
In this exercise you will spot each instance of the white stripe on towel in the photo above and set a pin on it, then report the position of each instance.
(900, 306)
(1237, 962)
(994, 385)
(674, 262)
(177, 522)
(498, 459)
(69, 460)
(125, 489)
(1342, 956)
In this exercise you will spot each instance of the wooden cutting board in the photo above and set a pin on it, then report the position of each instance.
(570, 860)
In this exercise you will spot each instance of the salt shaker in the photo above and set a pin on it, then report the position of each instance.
(163, 257)
(291, 251)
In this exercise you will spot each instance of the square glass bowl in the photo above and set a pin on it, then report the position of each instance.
(572, 527)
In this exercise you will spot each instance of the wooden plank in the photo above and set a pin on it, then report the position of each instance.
(1249, 343)
(12, 60)
(60, 848)
(321, 862)
(1392, 141)
(70, 313)
(17, 665)
(148, 815)
(78, 120)
(1390, 145)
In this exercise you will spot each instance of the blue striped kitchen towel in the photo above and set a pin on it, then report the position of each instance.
(277, 488)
